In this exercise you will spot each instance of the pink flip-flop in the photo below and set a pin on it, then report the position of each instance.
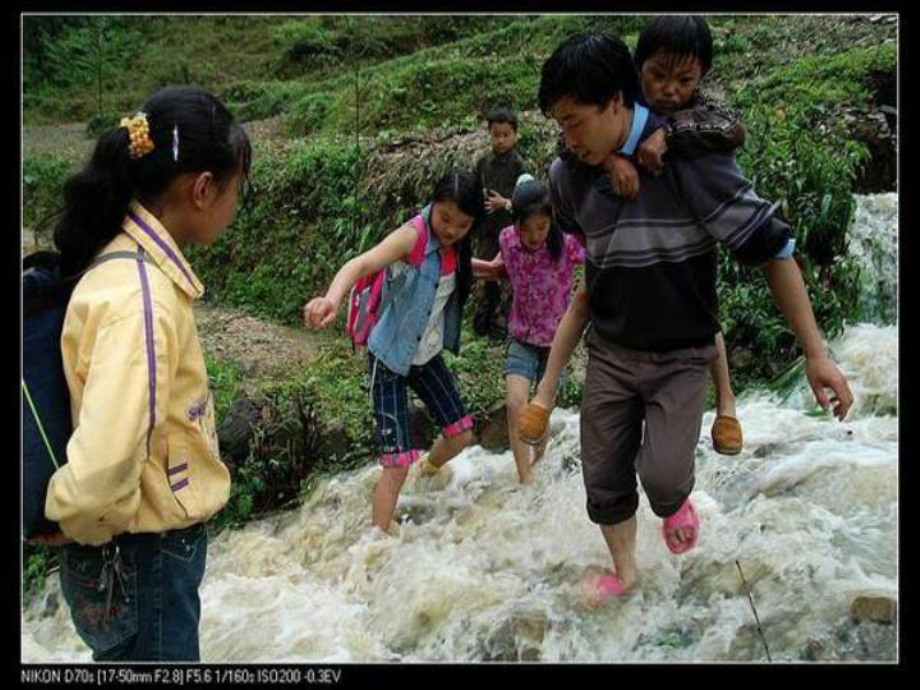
(603, 589)
(684, 518)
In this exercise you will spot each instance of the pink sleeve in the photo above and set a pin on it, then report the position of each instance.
(576, 248)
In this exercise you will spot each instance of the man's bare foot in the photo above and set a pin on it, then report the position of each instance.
(601, 587)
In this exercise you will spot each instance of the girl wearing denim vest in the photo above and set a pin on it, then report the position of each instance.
(421, 319)
(143, 472)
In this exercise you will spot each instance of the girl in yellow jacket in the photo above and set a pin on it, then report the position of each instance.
(143, 471)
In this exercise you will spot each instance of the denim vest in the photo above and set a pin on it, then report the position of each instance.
(397, 334)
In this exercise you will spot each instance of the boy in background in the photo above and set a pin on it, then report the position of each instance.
(498, 172)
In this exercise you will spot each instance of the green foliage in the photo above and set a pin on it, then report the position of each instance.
(820, 80)
(316, 43)
(37, 562)
(42, 182)
(102, 122)
(794, 159)
(139, 53)
(225, 378)
(283, 454)
(439, 92)
(266, 100)
(310, 114)
(479, 370)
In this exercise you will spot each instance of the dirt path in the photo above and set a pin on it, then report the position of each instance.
(266, 351)
(69, 141)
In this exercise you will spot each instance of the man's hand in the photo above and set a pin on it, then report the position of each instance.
(319, 312)
(623, 176)
(495, 202)
(652, 150)
(822, 373)
(57, 539)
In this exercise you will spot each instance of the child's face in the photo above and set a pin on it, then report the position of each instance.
(534, 230)
(449, 223)
(218, 210)
(503, 137)
(669, 82)
(591, 133)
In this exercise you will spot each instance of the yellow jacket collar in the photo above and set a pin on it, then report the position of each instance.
(147, 231)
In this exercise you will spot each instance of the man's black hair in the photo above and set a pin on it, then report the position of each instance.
(591, 68)
(678, 36)
(503, 116)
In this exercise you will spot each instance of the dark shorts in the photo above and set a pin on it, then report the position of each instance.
(434, 385)
(150, 609)
(641, 414)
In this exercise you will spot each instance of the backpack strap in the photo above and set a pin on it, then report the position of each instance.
(417, 255)
(38, 423)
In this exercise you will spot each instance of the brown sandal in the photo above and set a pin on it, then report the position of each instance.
(726, 435)
(533, 424)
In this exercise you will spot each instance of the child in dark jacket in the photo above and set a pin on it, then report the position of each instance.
(498, 172)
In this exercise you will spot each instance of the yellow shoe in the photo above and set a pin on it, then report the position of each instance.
(426, 469)
(727, 438)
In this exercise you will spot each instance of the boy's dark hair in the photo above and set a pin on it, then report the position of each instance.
(502, 115)
(679, 36)
(96, 199)
(464, 190)
(591, 68)
(533, 197)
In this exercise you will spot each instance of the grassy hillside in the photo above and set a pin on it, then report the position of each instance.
(331, 179)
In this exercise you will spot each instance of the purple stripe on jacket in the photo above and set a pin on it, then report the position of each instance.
(161, 244)
(151, 353)
(178, 469)
(180, 485)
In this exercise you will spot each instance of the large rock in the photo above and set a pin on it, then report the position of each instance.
(236, 428)
(493, 435)
(874, 608)
(335, 441)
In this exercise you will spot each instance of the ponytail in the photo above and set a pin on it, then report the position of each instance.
(188, 131)
(96, 200)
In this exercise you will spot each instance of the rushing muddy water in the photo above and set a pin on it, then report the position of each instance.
(485, 569)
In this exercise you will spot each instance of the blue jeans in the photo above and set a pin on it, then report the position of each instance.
(136, 598)
(528, 361)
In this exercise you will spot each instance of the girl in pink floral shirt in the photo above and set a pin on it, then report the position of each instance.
(540, 261)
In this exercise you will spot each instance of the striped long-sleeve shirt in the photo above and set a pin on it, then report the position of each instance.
(651, 264)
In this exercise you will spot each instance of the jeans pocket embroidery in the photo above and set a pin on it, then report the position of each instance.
(103, 605)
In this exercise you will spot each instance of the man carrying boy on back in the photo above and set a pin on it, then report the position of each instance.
(650, 275)
(498, 172)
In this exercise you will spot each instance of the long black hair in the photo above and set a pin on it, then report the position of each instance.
(96, 199)
(464, 190)
(533, 197)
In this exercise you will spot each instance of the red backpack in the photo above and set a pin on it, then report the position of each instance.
(366, 301)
